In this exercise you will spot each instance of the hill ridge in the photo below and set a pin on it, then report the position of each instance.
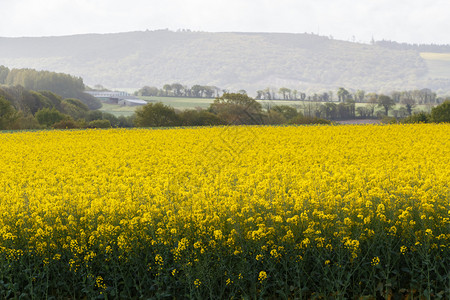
(229, 60)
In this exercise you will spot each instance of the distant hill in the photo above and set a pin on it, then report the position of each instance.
(434, 48)
(233, 61)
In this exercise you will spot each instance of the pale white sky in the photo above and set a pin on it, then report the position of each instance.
(413, 21)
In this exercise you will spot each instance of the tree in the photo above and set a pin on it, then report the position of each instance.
(208, 91)
(396, 96)
(167, 88)
(148, 91)
(193, 117)
(285, 92)
(343, 94)
(409, 103)
(197, 91)
(274, 118)
(177, 89)
(259, 94)
(54, 99)
(330, 110)
(99, 124)
(7, 114)
(302, 96)
(441, 113)
(372, 102)
(267, 94)
(48, 117)
(235, 108)
(155, 115)
(363, 111)
(4, 71)
(421, 117)
(62, 84)
(350, 103)
(386, 102)
(74, 108)
(359, 95)
(287, 111)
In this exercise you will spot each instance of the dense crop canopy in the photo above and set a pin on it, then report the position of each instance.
(242, 205)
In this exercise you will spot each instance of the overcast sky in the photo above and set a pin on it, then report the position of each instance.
(413, 21)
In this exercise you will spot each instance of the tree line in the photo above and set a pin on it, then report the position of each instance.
(228, 109)
(240, 109)
(418, 96)
(436, 48)
(62, 84)
(21, 108)
(180, 90)
(41, 107)
(332, 105)
(26, 109)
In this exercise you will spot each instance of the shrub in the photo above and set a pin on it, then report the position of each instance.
(66, 124)
(441, 113)
(99, 124)
(156, 115)
(305, 120)
(420, 117)
(48, 117)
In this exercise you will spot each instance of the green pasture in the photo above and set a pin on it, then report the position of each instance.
(438, 64)
(118, 110)
(182, 103)
(194, 103)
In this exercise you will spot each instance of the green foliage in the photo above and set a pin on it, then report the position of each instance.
(199, 118)
(25, 100)
(94, 115)
(156, 115)
(4, 71)
(113, 120)
(306, 120)
(7, 114)
(74, 108)
(90, 101)
(31, 109)
(59, 83)
(66, 124)
(148, 91)
(388, 120)
(53, 98)
(409, 103)
(420, 117)
(236, 109)
(99, 124)
(125, 122)
(343, 94)
(48, 117)
(25, 121)
(287, 111)
(386, 102)
(441, 113)
(240, 60)
(273, 117)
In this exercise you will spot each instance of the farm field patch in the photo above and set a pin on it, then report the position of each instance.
(221, 212)
(438, 64)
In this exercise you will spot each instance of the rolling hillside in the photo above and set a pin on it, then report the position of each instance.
(234, 61)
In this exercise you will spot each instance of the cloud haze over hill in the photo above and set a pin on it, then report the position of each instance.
(413, 21)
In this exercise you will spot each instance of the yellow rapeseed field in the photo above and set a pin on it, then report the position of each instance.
(193, 204)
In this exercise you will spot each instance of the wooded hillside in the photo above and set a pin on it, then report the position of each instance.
(235, 61)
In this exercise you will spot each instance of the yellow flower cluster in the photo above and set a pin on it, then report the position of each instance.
(196, 190)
